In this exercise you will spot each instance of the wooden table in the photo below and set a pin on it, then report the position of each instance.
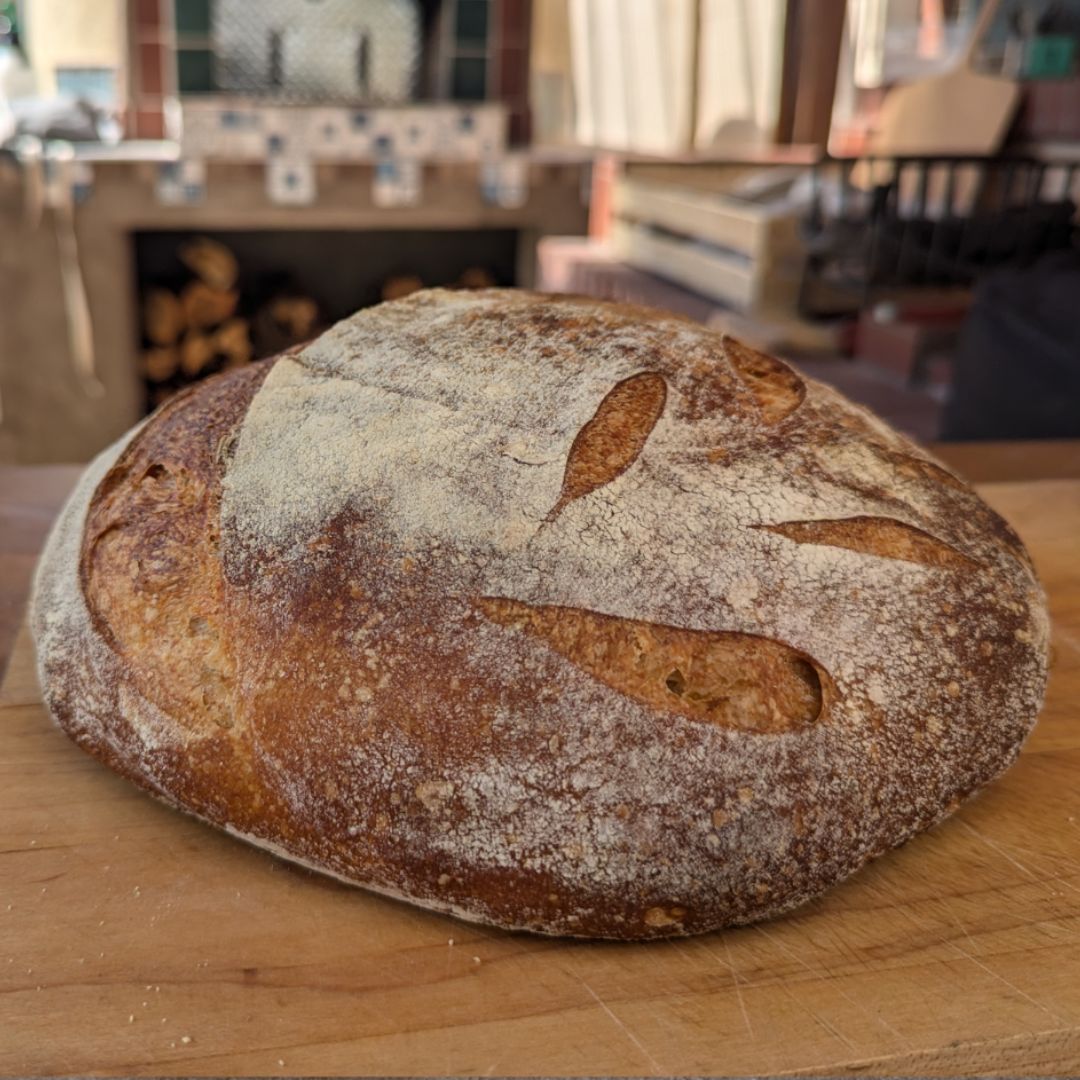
(30, 497)
(136, 941)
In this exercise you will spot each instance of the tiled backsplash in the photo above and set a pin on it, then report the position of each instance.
(232, 129)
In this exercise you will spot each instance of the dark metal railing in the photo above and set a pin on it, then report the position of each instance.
(877, 223)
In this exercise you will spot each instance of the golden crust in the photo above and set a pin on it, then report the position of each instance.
(555, 614)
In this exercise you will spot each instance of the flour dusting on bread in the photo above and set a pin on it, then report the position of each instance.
(569, 719)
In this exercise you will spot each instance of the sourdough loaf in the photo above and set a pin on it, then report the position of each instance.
(553, 614)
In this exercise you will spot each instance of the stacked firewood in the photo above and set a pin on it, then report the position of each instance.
(199, 329)
(203, 322)
(401, 285)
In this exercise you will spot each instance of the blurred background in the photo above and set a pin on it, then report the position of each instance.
(883, 191)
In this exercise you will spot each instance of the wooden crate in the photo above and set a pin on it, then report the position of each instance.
(687, 227)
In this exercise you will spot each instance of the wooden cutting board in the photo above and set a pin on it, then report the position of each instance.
(136, 941)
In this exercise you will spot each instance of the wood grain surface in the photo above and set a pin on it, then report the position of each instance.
(30, 497)
(134, 940)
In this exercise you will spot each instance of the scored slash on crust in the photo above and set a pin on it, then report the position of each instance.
(611, 441)
(734, 680)
(777, 390)
(881, 536)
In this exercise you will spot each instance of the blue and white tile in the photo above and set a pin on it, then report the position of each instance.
(397, 182)
(181, 183)
(290, 181)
